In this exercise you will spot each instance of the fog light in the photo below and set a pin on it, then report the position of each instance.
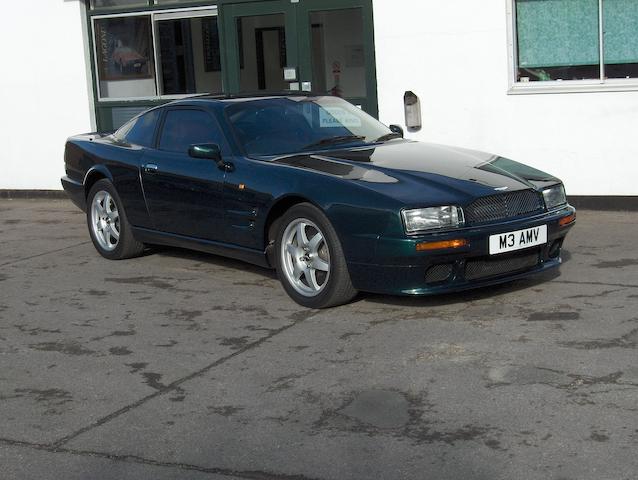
(456, 243)
(567, 220)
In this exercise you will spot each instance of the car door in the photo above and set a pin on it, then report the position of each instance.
(184, 195)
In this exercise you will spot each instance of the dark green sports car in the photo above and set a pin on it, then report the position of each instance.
(319, 190)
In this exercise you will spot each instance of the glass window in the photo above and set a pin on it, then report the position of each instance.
(183, 128)
(139, 130)
(338, 55)
(120, 133)
(561, 40)
(621, 38)
(190, 58)
(118, 3)
(558, 40)
(124, 55)
(261, 41)
(188, 52)
(120, 115)
(142, 132)
(274, 126)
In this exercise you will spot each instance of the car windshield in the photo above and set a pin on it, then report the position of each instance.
(275, 126)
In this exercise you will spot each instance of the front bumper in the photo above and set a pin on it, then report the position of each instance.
(401, 270)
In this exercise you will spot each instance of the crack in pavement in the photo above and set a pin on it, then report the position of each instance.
(246, 474)
(297, 318)
(13, 262)
(604, 284)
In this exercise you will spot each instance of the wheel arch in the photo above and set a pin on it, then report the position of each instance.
(93, 176)
(274, 216)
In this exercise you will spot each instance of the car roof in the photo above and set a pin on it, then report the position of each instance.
(225, 99)
(255, 95)
(222, 98)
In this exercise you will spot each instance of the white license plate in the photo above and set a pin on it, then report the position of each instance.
(510, 241)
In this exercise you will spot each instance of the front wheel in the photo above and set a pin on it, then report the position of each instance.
(310, 261)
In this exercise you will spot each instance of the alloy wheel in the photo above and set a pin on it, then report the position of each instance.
(305, 257)
(105, 220)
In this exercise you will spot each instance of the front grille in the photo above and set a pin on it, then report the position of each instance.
(503, 206)
(490, 267)
(439, 273)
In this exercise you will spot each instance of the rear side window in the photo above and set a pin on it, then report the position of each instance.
(142, 132)
(183, 128)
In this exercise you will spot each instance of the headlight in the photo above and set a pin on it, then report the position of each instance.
(554, 196)
(421, 219)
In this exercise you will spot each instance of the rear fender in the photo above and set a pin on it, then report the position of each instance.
(93, 175)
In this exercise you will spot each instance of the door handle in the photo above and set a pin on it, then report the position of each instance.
(149, 168)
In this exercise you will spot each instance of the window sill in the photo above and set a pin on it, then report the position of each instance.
(553, 87)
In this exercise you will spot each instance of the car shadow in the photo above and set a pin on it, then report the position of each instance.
(440, 299)
(443, 299)
(565, 255)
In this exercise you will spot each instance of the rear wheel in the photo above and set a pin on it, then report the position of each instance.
(110, 231)
(310, 260)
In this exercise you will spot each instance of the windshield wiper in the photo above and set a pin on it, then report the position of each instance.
(334, 141)
(388, 136)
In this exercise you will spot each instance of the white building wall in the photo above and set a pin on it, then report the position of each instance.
(453, 54)
(44, 96)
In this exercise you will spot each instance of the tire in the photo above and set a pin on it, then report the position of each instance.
(310, 261)
(109, 229)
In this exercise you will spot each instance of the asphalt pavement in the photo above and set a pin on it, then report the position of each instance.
(181, 365)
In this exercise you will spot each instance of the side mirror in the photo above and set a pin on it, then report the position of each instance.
(206, 150)
(396, 129)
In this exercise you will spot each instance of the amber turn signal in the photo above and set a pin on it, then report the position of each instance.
(567, 220)
(456, 243)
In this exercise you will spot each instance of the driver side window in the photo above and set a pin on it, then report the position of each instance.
(186, 127)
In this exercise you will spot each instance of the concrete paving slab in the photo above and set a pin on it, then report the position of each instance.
(376, 393)
(83, 336)
(181, 364)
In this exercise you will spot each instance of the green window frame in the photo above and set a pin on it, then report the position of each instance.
(107, 6)
(111, 113)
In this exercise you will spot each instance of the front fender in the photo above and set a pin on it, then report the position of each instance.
(256, 190)
(359, 215)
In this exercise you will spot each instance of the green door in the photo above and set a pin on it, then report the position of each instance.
(326, 46)
(336, 42)
(260, 41)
